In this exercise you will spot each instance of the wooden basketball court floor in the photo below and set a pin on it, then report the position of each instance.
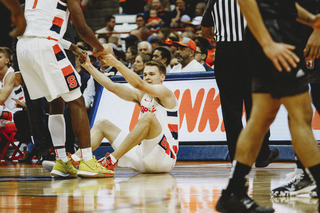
(191, 187)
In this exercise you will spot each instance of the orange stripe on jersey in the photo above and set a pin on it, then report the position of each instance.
(173, 127)
(57, 21)
(56, 49)
(67, 70)
(35, 4)
(50, 38)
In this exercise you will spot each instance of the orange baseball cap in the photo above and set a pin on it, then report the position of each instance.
(186, 42)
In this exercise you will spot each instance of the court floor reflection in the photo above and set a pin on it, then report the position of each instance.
(191, 187)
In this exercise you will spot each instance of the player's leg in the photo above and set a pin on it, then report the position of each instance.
(101, 129)
(264, 110)
(56, 125)
(89, 166)
(147, 127)
(304, 144)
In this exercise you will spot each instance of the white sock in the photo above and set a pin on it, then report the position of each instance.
(114, 160)
(56, 125)
(75, 157)
(61, 154)
(86, 153)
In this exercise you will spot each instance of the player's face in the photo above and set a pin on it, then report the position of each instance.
(152, 75)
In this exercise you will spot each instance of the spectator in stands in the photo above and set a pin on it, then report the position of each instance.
(140, 22)
(168, 43)
(131, 39)
(163, 55)
(201, 56)
(200, 6)
(205, 43)
(165, 5)
(140, 62)
(106, 31)
(180, 10)
(174, 62)
(186, 49)
(144, 47)
(131, 55)
(155, 42)
(174, 36)
(154, 22)
(164, 33)
(187, 34)
(164, 15)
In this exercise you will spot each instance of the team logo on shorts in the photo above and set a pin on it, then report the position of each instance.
(70, 77)
(309, 63)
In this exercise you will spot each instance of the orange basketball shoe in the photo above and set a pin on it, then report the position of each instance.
(107, 162)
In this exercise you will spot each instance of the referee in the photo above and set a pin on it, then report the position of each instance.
(223, 22)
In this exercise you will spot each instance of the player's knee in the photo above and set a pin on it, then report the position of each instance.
(103, 124)
(147, 117)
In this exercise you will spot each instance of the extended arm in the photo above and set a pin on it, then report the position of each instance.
(307, 18)
(154, 90)
(120, 90)
(17, 16)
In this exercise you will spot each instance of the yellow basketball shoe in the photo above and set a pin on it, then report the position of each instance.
(92, 168)
(63, 169)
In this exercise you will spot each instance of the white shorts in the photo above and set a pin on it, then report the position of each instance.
(46, 70)
(147, 157)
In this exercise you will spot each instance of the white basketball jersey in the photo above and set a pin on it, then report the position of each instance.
(46, 18)
(168, 118)
(17, 93)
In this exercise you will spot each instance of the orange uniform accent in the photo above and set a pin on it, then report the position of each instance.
(67, 70)
(56, 49)
(57, 21)
(35, 4)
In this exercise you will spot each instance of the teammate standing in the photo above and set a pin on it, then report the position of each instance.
(48, 73)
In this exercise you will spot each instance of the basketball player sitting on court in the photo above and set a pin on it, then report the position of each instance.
(152, 145)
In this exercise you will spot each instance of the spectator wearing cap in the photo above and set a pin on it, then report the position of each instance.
(163, 55)
(144, 47)
(186, 49)
(180, 10)
(155, 42)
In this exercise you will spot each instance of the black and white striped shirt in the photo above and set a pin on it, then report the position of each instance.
(226, 19)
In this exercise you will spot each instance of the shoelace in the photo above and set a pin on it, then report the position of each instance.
(295, 177)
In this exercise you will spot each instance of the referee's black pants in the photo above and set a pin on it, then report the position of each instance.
(233, 78)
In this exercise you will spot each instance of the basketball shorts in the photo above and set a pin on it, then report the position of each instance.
(46, 70)
(147, 157)
(265, 77)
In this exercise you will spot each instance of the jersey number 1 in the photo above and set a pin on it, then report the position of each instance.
(35, 4)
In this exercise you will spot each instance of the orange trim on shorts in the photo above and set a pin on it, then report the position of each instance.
(57, 21)
(67, 70)
(35, 4)
(56, 49)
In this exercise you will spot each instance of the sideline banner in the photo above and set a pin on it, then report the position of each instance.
(199, 111)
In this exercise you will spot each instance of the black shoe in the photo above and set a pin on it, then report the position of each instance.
(273, 156)
(242, 203)
(299, 184)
